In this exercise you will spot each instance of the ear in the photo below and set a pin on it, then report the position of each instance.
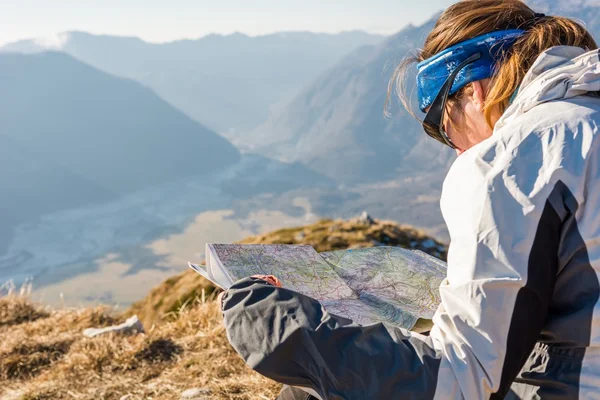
(478, 94)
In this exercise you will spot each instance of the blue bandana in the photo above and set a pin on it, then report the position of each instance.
(433, 72)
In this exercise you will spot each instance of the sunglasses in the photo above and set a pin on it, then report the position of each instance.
(433, 122)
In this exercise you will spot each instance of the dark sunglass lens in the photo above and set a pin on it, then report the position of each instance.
(433, 131)
(434, 117)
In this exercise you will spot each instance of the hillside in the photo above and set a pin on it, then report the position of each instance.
(73, 135)
(43, 354)
(336, 125)
(111, 131)
(228, 83)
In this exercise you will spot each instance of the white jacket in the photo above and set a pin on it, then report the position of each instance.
(519, 316)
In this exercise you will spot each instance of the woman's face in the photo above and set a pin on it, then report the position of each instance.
(465, 122)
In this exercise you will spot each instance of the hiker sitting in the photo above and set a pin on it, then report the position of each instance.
(515, 94)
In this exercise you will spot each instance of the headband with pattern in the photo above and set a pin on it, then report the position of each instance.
(433, 72)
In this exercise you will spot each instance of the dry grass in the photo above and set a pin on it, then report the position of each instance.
(43, 354)
(17, 310)
(49, 358)
(168, 298)
(327, 235)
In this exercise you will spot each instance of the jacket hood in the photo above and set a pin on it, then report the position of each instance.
(561, 72)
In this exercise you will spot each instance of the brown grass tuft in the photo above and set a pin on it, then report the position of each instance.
(159, 350)
(17, 310)
(188, 350)
(29, 358)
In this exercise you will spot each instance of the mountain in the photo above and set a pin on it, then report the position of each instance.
(228, 83)
(336, 124)
(72, 136)
(587, 11)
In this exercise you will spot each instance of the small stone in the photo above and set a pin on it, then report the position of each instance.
(131, 325)
(428, 244)
(126, 397)
(366, 219)
(299, 236)
(195, 394)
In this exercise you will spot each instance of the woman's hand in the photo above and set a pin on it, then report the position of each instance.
(270, 279)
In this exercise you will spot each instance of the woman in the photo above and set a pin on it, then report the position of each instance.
(514, 93)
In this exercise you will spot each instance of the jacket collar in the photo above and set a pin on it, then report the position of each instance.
(560, 72)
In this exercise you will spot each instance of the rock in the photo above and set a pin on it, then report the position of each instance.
(131, 325)
(428, 244)
(365, 219)
(126, 397)
(195, 394)
(299, 236)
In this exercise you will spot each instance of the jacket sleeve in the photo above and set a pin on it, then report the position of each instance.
(502, 264)
(292, 339)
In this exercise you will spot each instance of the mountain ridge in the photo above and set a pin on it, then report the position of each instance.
(335, 125)
(44, 43)
(227, 83)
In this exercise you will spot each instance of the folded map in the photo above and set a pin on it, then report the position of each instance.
(371, 285)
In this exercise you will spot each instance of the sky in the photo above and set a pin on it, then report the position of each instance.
(168, 20)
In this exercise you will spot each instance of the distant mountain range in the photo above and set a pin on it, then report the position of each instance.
(585, 10)
(228, 83)
(336, 125)
(91, 164)
(72, 135)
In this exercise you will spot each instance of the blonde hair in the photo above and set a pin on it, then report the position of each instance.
(471, 18)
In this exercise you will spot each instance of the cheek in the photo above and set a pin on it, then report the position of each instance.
(477, 127)
(456, 127)
(467, 126)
